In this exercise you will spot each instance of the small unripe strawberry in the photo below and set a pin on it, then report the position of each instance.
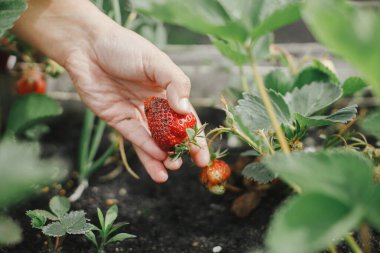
(215, 176)
(31, 81)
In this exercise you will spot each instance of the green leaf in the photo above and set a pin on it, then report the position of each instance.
(258, 172)
(353, 85)
(37, 219)
(371, 124)
(35, 132)
(10, 231)
(253, 114)
(355, 35)
(230, 49)
(250, 152)
(111, 216)
(190, 133)
(117, 227)
(75, 222)
(206, 16)
(261, 47)
(310, 223)
(101, 218)
(330, 172)
(278, 81)
(55, 229)
(10, 11)
(317, 72)
(30, 110)
(343, 116)
(59, 205)
(120, 237)
(313, 97)
(20, 178)
(48, 215)
(91, 237)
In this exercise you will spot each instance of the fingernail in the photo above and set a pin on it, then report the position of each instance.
(163, 176)
(184, 104)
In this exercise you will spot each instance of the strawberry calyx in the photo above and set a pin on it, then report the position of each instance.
(184, 147)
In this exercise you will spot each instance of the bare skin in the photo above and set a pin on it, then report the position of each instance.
(114, 70)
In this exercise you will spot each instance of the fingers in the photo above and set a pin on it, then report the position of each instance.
(173, 164)
(201, 154)
(133, 131)
(155, 168)
(168, 75)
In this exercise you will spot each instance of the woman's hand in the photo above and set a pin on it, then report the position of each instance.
(114, 70)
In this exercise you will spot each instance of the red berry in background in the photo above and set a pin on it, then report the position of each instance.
(31, 81)
(215, 176)
(167, 127)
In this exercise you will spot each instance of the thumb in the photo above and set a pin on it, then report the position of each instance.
(177, 84)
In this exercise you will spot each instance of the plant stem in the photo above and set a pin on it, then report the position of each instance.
(124, 157)
(332, 249)
(353, 244)
(100, 161)
(84, 142)
(266, 141)
(268, 105)
(99, 131)
(56, 245)
(243, 79)
(365, 237)
(79, 190)
(116, 10)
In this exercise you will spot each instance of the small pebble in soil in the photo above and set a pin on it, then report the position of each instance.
(69, 184)
(122, 191)
(195, 244)
(217, 249)
(45, 189)
(110, 202)
(62, 192)
(95, 189)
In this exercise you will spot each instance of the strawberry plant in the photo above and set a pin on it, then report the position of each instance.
(62, 222)
(107, 230)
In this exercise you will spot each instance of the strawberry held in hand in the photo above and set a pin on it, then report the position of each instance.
(173, 132)
(215, 176)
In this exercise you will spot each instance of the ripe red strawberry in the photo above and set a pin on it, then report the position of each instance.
(167, 127)
(215, 176)
(32, 80)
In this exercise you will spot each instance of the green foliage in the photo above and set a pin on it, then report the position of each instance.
(326, 181)
(30, 110)
(300, 105)
(107, 229)
(35, 173)
(317, 72)
(258, 172)
(10, 231)
(371, 123)
(279, 81)
(10, 11)
(64, 222)
(355, 35)
(352, 85)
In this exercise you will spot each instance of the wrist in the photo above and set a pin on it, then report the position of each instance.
(59, 27)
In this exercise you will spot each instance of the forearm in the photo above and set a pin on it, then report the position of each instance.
(58, 27)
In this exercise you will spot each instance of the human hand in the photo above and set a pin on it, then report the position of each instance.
(114, 70)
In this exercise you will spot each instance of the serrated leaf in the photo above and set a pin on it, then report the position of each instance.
(55, 229)
(355, 35)
(299, 227)
(330, 172)
(278, 81)
(253, 114)
(10, 11)
(37, 219)
(75, 222)
(30, 110)
(353, 85)
(312, 97)
(317, 72)
(59, 205)
(44, 213)
(91, 237)
(120, 237)
(230, 49)
(20, 178)
(371, 124)
(343, 116)
(190, 133)
(10, 231)
(258, 172)
(111, 216)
